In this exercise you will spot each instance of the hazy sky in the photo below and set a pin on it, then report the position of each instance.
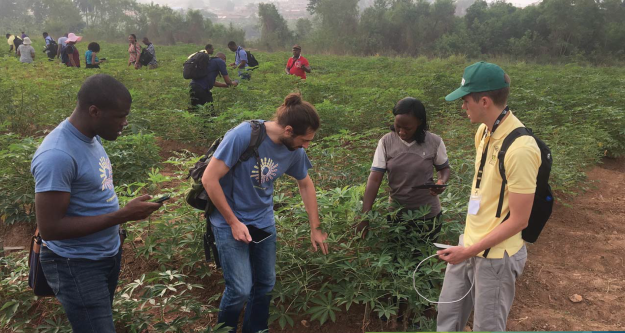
(185, 3)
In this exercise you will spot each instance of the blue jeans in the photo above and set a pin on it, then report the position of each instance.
(85, 288)
(250, 274)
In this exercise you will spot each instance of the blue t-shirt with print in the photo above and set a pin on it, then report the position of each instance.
(253, 203)
(69, 161)
(215, 66)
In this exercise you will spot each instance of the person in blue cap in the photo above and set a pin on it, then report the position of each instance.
(490, 255)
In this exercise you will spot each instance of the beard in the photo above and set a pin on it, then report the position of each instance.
(289, 142)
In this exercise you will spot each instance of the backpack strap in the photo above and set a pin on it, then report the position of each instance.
(507, 142)
(258, 135)
(259, 132)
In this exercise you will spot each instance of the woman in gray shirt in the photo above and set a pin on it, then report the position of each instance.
(409, 154)
(26, 52)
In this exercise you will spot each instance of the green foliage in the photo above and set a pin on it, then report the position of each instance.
(132, 157)
(273, 27)
(577, 110)
(16, 182)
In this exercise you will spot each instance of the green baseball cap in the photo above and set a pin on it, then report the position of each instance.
(481, 76)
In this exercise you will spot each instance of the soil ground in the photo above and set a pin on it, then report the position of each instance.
(580, 256)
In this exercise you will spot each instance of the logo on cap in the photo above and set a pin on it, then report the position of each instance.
(462, 83)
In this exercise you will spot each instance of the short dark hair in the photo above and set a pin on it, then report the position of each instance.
(45, 34)
(414, 107)
(297, 113)
(103, 91)
(134, 36)
(8, 35)
(208, 46)
(231, 43)
(499, 96)
(94, 47)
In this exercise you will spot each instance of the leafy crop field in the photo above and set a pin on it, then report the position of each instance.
(166, 286)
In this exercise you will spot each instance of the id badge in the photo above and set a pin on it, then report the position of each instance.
(474, 204)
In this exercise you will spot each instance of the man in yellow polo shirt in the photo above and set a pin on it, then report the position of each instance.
(491, 254)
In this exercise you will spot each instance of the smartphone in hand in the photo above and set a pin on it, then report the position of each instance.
(258, 235)
(161, 199)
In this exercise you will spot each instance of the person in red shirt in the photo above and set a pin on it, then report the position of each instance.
(297, 65)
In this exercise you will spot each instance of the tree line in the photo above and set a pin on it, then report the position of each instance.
(114, 20)
(590, 29)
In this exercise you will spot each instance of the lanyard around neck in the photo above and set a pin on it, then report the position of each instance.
(480, 171)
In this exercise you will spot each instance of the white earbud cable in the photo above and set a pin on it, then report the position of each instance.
(414, 284)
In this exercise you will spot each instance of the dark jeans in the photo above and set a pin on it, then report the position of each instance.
(250, 274)
(199, 95)
(85, 288)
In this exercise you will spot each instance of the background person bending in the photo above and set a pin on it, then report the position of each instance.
(200, 89)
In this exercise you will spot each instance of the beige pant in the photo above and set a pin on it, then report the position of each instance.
(491, 296)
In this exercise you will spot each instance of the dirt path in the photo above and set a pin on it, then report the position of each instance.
(581, 252)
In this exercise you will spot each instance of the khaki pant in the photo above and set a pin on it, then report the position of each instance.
(491, 296)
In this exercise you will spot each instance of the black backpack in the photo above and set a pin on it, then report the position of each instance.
(17, 42)
(196, 66)
(251, 60)
(197, 196)
(52, 47)
(543, 198)
(145, 57)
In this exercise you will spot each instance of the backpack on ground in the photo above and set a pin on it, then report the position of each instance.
(145, 57)
(197, 196)
(543, 198)
(251, 60)
(196, 66)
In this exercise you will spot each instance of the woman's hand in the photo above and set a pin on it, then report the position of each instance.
(437, 191)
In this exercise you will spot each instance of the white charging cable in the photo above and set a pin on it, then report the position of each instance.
(414, 284)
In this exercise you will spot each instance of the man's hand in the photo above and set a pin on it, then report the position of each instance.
(455, 255)
(240, 232)
(318, 238)
(139, 208)
(437, 191)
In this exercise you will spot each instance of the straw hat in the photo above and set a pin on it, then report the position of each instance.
(27, 41)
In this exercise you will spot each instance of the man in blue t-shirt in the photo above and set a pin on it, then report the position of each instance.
(240, 60)
(243, 195)
(78, 214)
(200, 89)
